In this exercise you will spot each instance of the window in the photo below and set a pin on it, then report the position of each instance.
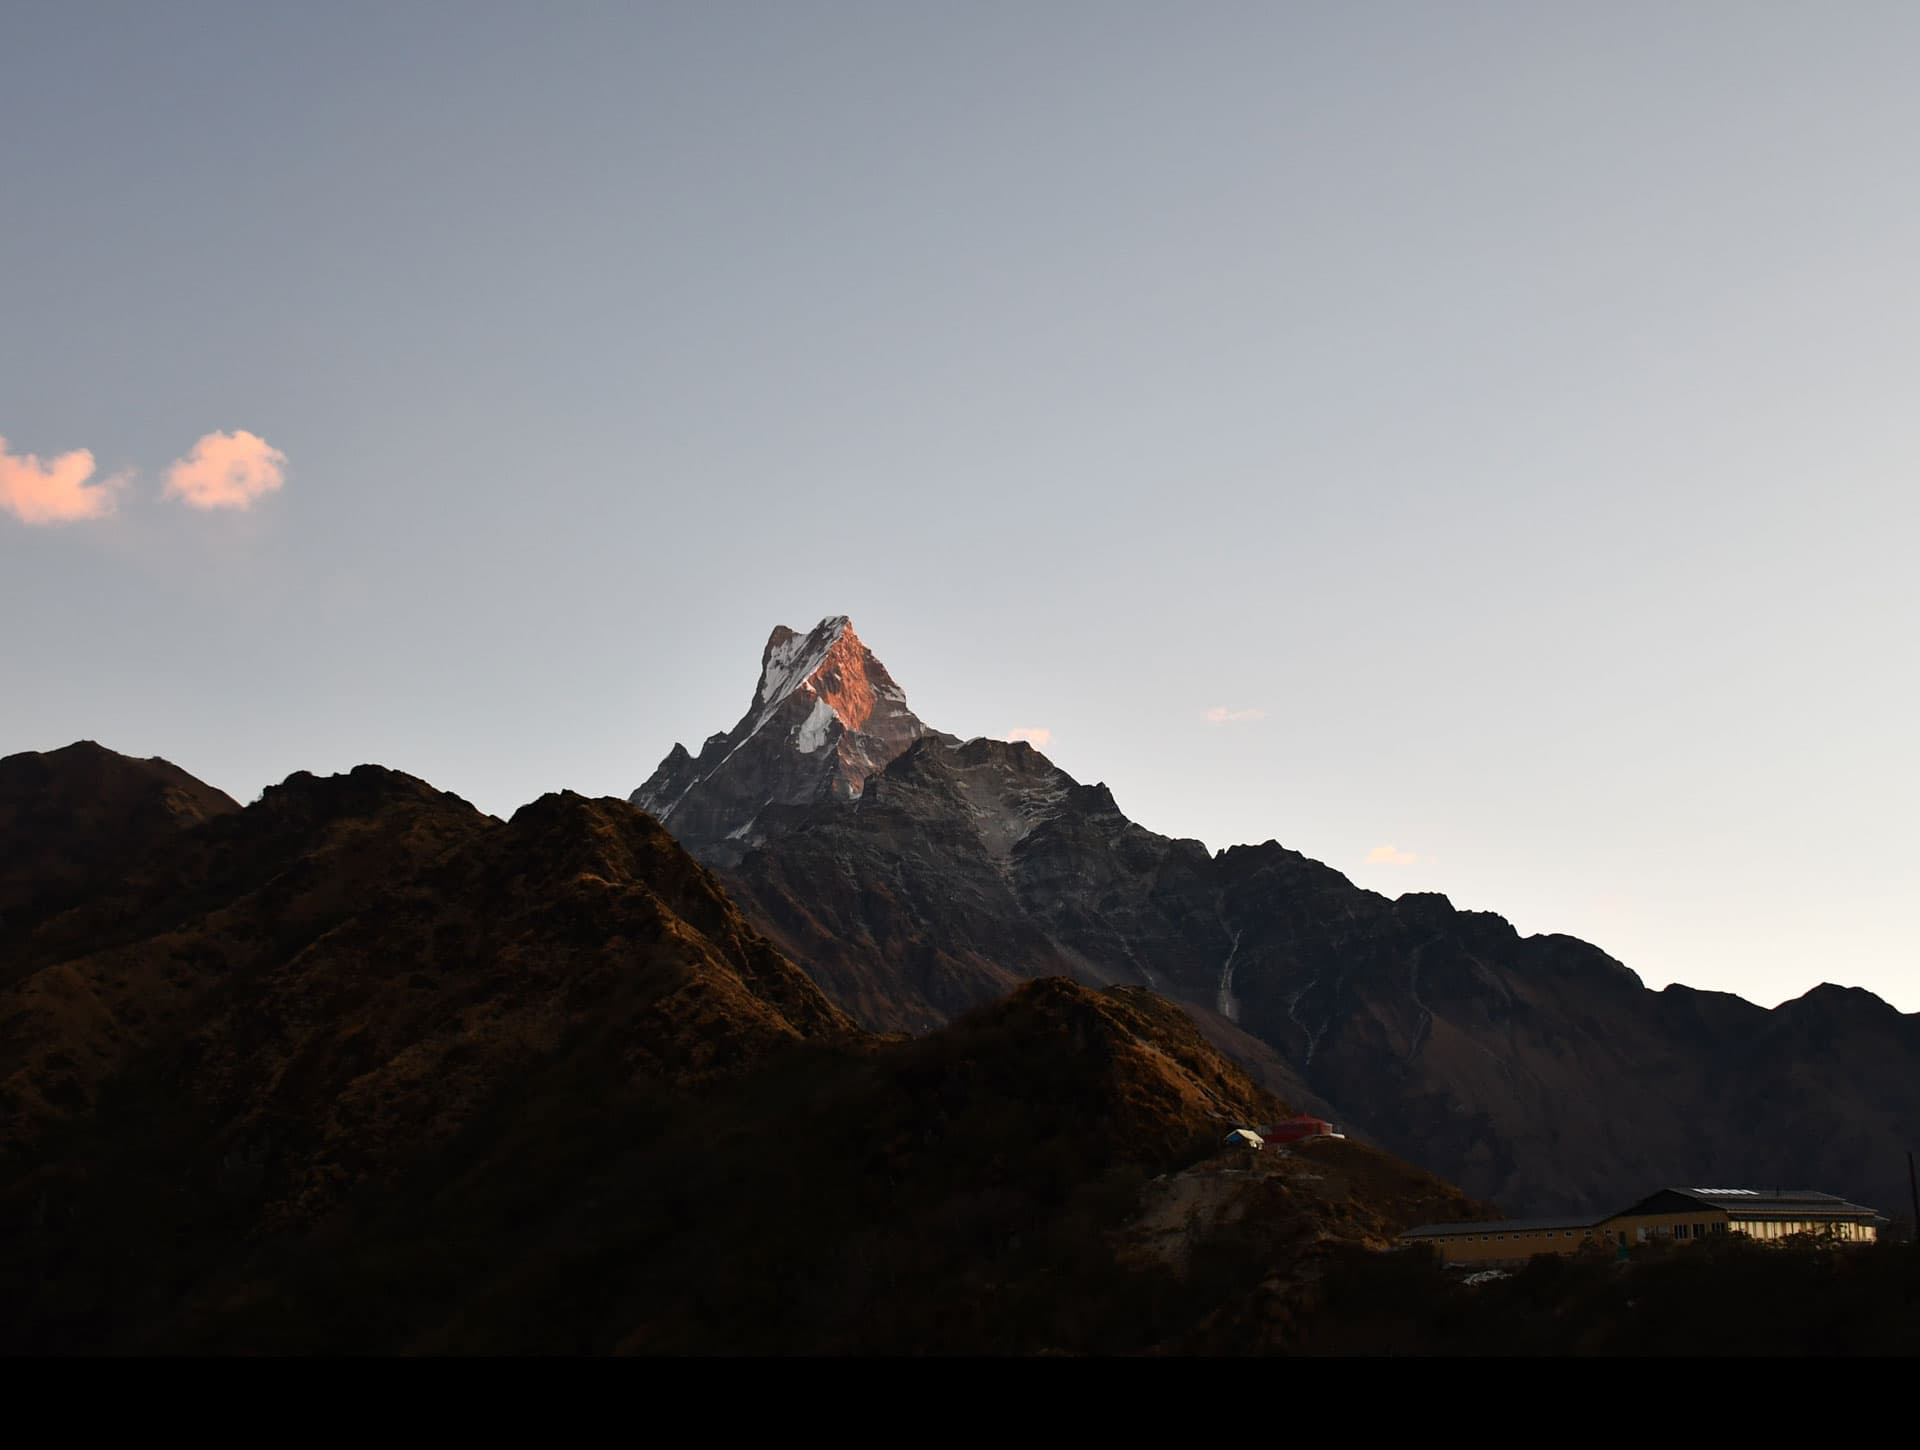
(1699, 1230)
(1680, 1231)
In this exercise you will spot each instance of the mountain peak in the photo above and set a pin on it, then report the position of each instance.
(791, 658)
(825, 717)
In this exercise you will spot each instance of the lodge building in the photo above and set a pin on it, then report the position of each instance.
(1673, 1213)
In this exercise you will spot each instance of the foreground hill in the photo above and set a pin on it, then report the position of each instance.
(71, 818)
(1536, 1071)
(360, 1069)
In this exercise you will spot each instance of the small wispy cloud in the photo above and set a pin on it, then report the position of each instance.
(56, 491)
(1035, 735)
(227, 471)
(1390, 856)
(1221, 715)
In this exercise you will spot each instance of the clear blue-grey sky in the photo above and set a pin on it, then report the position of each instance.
(1502, 417)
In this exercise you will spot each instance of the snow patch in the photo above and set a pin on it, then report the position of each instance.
(659, 807)
(1228, 1005)
(812, 733)
(790, 663)
(1425, 1029)
(1293, 1015)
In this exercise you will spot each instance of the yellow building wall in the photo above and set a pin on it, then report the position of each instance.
(1851, 1232)
(1495, 1246)
(1640, 1227)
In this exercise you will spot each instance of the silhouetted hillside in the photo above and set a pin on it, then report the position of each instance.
(358, 1068)
(70, 818)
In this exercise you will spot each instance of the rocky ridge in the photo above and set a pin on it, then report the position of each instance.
(1535, 1071)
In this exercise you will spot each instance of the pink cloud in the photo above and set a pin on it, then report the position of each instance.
(1035, 735)
(1390, 856)
(1221, 715)
(227, 471)
(57, 491)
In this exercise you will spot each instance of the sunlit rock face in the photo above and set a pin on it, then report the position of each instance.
(825, 716)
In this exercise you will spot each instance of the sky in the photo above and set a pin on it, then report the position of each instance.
(1472, 444)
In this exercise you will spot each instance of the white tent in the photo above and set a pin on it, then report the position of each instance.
(1246, 1138)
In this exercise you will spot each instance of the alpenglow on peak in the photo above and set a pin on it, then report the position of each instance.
(825, 716)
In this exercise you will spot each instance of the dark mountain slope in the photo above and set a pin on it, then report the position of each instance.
(1536, 1071)
(978, 1190)
(71, 818)
(360, 1069)
(96, 986)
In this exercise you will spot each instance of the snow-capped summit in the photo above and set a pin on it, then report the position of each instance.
(790, 659)
(825, 716)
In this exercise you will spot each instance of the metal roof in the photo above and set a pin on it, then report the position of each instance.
(1770, 1202)
(1497, 1226)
